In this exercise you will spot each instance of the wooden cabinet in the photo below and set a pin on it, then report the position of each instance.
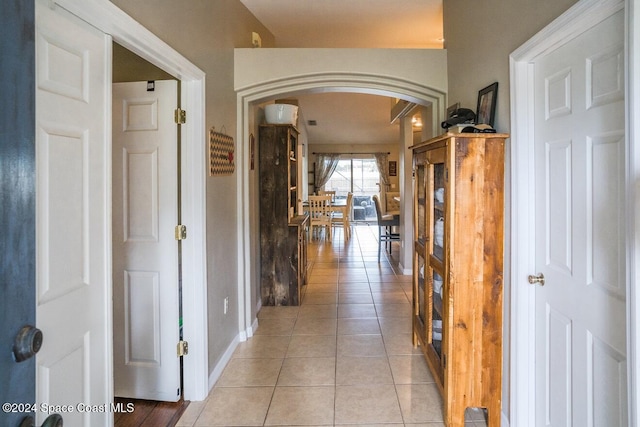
(458, 268)
(283, 241)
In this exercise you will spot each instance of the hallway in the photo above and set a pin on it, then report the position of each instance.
(343, 358)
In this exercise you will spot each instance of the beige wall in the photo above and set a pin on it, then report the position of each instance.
(206, 32)
(479, 41)
(422, 66)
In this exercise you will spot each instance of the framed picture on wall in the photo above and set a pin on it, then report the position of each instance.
(393, 168)
(486, 108)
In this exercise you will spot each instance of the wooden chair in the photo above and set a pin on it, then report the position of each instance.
(320, 214)
(385, 224)
(343, 218)
(327, 193)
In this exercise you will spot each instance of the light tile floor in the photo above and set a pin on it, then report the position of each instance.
(344, 357)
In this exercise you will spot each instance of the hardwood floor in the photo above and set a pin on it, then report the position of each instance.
(148, 413)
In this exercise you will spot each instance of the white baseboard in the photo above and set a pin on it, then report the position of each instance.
(214, 376)
(405, 271)
(504, 420)
(228, 354)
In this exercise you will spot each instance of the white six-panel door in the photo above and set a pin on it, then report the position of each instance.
(145, 251)
(579, 156)
(73, 238)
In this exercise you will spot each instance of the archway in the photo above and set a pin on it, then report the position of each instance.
(247, 97)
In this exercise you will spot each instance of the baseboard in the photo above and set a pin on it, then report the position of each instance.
(504, 420)
(228, 354)
(405, 271)
(214, 376)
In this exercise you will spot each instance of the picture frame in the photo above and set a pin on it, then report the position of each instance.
(486, 107)
(393, 168)
(451, 109)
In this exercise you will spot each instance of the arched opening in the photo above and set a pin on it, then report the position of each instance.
(249, 97)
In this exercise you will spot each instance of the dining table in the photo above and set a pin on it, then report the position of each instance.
(337, 205)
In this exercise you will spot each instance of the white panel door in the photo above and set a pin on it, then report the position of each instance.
(579, 157)
(145, 251)
(73, 215)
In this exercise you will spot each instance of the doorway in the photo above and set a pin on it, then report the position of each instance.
(607, 361)
(146, 273)
(107, 19)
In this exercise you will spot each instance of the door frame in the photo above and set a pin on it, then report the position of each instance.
(127, 32)
(579, 18)
(329, 81)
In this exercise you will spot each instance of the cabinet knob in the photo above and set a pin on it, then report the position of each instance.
(533, 279)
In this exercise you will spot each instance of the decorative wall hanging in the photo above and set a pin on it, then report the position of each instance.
(221, 153)
(393, 168)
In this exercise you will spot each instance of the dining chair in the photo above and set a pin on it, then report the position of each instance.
(342, 217)
(331, 193)
(385, 224)
(320, 215)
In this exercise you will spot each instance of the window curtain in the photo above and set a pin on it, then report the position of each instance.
(326, 164)
(382, 161)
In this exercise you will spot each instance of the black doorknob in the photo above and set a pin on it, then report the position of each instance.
(27, 343)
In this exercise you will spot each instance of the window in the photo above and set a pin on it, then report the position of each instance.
(361, 177)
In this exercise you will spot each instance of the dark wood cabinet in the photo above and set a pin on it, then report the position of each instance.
(458, 269)
(283, 231)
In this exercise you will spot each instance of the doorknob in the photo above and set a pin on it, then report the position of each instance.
(536, 279)
(27, 343)
(53, 420)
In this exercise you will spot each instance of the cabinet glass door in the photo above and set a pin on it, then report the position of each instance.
(421, 202)
(437, 196)
(436, 205)
(421, 300)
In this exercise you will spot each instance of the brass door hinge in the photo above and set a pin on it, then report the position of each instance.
(183, 348)
(180, 116)
(181, 232)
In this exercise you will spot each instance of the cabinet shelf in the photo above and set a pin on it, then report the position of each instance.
(459, 328)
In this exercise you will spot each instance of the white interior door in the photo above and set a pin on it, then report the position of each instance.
(145, 251)
(73, 243)
(579, 157)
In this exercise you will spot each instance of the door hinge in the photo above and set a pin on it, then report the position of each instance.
(183, 348)
(181, 232)
(180, 116)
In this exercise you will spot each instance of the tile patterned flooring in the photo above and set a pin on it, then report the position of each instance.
(344, 357)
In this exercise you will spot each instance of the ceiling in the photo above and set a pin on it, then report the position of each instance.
(350, 118)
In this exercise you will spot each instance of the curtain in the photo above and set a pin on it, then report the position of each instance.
(382, 161)
(325, 166)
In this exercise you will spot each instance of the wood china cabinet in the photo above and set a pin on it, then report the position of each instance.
(458, 268)
(283, 232)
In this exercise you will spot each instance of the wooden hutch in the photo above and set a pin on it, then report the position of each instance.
(283, 232)
(458, 268)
